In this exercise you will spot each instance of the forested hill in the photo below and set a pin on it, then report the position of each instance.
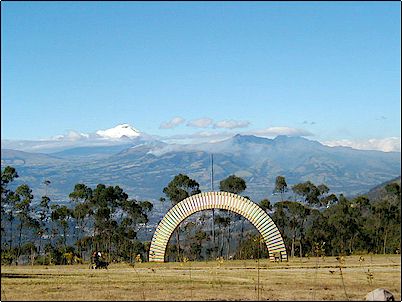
(378, 192)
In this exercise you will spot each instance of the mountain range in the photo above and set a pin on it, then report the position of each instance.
(143, 166)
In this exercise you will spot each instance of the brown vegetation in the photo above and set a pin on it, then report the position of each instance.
(324, 278)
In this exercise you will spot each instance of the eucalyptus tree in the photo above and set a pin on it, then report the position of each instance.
(223, 223)
(8, 200)
(196, 245)
(178, 189)
(24, 213)
(266, 205)
(394, 197)
(318, 234)
(291, 217)
(386, 218)
(108, 220)
(194, 238)
(308, 191)
(8, 175)
(188, 229)
(105, 201)
(236, 185)
(316, 196)
(134, 214)
(61, 215)
(280, 186)
(343, 220)
(44, 217)
(233, 184)
(81, 212)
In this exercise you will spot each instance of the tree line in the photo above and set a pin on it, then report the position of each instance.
(104, 218)
(101, 218)
(316, 222)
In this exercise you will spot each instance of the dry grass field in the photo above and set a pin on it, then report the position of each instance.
(299, 279)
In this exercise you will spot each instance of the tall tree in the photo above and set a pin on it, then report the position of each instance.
(177, 190)
(44, 214)
(81, 212)
(105, 201)
(8, 200)
(308, 191)
(291, 217)
(280, 186)
(134, 216)
(386, 217)
(61, 215)
(236, 185)
(180, 188)
(266, 205)
(111, 218)
(314, 195)
(224, 223)
(343, 220)
(24, 215)
(233, 184)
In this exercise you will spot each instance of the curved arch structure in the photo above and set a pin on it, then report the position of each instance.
(217, 200)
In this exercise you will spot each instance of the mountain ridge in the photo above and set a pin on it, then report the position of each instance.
(146, 166)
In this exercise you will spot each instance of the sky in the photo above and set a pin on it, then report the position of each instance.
(329, 71)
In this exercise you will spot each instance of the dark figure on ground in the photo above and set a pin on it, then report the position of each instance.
(98, 262)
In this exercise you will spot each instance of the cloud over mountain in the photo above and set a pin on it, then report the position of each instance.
(174, 122)
(387, 144)
(231, 124)
(71, 136)
(275, 131)
(214, 131)
(205, 122)
(200, 123)
(144, 167)
(109, 137)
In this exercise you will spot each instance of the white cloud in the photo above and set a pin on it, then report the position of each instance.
(231, 124)
(198, 137)
(210, 135)
(387, 144)
(174, 122)
(275, 131)
(225, 124)
(71, 136)
(70, 139)
(200, 123)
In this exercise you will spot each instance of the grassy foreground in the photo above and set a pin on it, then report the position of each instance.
(299, 279)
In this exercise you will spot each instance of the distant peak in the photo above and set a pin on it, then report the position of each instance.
(239, 138)
(290, 137)
(284, 139)
(120, 131)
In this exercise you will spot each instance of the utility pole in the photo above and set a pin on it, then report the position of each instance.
(212, 172)
(46, 182)
(213, 210)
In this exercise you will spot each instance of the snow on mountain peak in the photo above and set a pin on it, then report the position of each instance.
(119, 131)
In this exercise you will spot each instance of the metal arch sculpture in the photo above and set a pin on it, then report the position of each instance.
(218, 200)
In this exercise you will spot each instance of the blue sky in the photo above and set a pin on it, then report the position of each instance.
(328, 70)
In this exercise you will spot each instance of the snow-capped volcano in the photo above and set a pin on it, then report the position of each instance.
(120, 131)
